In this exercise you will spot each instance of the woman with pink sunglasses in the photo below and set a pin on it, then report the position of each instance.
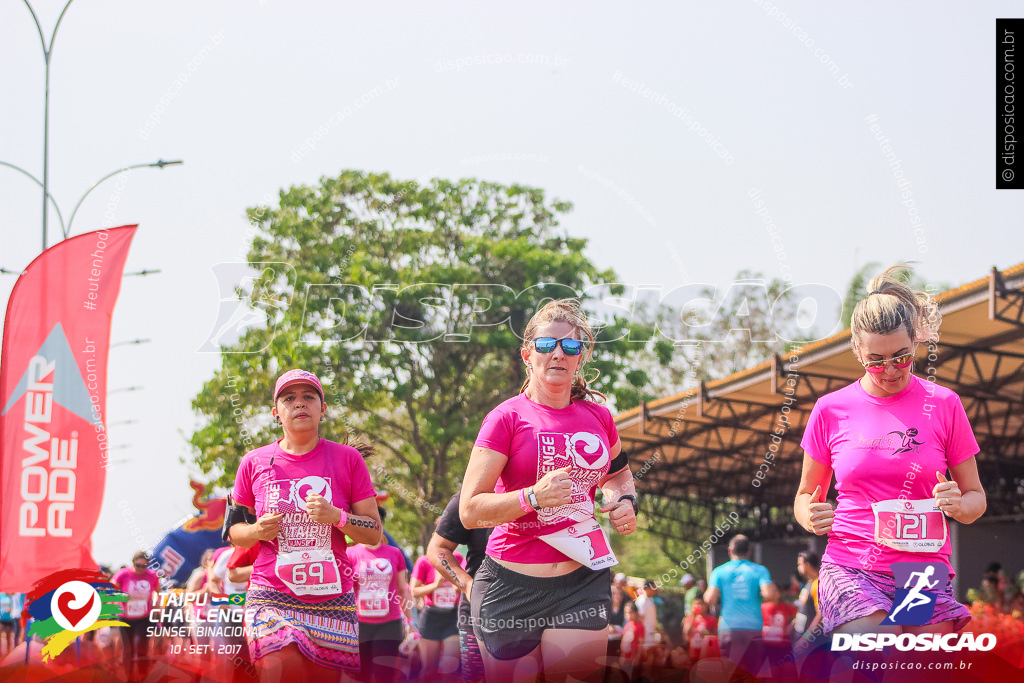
(889, 438)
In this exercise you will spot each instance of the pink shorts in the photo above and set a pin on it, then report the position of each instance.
(848, 593)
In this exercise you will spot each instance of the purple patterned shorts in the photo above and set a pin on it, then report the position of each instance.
(848, 593)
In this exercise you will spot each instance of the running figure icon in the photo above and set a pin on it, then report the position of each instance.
(914, 597)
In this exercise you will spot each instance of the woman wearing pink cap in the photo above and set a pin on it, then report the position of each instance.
(304, 494)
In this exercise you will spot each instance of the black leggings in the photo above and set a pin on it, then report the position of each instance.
(136, 643)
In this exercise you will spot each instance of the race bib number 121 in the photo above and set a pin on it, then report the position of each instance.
(915, 526)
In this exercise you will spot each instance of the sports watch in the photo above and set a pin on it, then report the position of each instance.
(632, 501)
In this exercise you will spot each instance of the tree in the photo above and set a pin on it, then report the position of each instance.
(409, 301)
(858, 287)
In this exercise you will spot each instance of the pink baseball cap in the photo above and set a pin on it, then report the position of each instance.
(297, 377)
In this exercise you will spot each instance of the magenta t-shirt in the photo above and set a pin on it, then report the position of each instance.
(332, 470)
(885, 449)
(538, 439)
(376, 574)
(447, 595)
(139, 590)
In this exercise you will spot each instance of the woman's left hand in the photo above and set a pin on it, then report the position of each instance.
(947, 496)
(320, 510)
(621, 516)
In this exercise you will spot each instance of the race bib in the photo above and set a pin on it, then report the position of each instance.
(308, 572)
(584, 542)
(915, 526)
(136, 609)
(372, 604)
(446, 597)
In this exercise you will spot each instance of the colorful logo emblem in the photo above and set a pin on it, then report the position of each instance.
(917, 586)
(68, 603)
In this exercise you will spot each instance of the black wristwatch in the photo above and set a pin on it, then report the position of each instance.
(632, 500)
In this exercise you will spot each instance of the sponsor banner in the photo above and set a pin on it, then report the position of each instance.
(53, 388)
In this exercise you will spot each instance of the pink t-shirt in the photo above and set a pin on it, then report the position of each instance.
(307, 559)
(885, 449)
(538, 439)
(447, 595)
(376, 573)
(140, 590)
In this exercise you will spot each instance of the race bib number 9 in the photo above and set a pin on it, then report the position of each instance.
(914, 526)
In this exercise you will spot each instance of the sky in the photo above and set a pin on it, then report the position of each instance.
(694, 139)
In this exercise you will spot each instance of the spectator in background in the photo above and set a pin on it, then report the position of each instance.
(776, 629)
(807, 565)
(633, 635)
(690, 591)
(740, 584)
(698, 625)
(622, 582)
(10, 627)
(648, 609)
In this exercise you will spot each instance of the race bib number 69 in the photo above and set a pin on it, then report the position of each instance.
(915, 526)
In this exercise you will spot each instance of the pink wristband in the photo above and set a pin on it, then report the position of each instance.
(522, 501)
(344, 519)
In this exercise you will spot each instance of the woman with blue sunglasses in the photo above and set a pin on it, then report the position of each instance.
(540, 601)
(889, 438)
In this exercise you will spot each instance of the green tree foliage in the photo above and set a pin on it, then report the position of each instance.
(858, 287)
(409, 302)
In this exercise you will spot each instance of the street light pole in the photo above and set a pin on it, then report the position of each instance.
(47, 53)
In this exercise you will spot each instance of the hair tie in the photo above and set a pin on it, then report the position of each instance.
(877, 291)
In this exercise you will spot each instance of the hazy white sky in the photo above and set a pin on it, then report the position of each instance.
(660, 121)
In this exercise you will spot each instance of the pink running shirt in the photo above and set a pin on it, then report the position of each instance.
(336, 472)
(885, 448)
(140, 590)
(447, 595)
(538, 439)
(376, 582)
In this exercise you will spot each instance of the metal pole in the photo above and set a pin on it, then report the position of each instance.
(47, 52)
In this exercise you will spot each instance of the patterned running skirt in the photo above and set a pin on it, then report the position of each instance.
(325, 632)
(848, 593)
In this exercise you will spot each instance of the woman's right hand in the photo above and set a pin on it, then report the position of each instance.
(267, 526)
(554, 488)
(819, 515)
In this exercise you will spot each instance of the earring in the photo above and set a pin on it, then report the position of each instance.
(323, 417)
(277, 419)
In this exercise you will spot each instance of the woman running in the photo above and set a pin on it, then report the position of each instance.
(306, 494)
(383, 606)
(890, 438)
(540, 600)
(438, 625)
(140, 583)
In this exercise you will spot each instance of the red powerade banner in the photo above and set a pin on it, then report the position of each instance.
(53, 395)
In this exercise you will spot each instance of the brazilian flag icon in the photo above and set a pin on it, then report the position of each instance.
(237, 598)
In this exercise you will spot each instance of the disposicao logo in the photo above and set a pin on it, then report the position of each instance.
(68, 603)
(914, 606)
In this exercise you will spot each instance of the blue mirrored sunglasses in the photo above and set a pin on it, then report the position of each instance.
(571, 347)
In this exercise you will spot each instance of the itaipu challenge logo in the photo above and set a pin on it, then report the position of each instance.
(68, 603)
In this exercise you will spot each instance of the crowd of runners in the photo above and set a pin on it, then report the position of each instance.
(328, 597)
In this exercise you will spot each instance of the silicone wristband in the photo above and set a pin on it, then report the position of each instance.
(522, 501)
(344, 519)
